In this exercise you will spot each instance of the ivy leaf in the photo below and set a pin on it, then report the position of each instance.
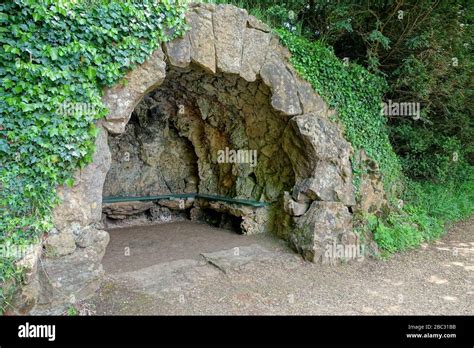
(53, 53)
(91, 73)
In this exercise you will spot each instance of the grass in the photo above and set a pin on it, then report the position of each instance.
(429, 209)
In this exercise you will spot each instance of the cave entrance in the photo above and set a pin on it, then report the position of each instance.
(214, 111)
(200, 147)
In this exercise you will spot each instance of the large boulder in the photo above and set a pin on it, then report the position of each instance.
(70, 278)
(281, 82)
(201, 36)
(229, 29)
(320, 158)
(256, 43)
(322, 226)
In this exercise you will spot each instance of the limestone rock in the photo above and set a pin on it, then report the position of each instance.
(122, 99)
(60, 244)
(281, 82)
(201, 37)
(149, 158)
(24, 300)
(178, 51)
(161, 214)
(322, 225)
(320, 158)
(196, 214)
(254, 219)
(311, 102)
(256, 44)
(255, 23)
(294, 208)
(196, 112)
(372, 193)
(121, 210)
(71, 278)
(233, 259)
(82, 203)
(85, 237)
(177, 204)
(229, 28)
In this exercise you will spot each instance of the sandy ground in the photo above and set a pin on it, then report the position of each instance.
(159, 270)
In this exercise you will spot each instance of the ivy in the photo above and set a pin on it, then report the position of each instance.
(57, 54)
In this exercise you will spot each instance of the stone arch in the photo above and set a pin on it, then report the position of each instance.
(223, 40)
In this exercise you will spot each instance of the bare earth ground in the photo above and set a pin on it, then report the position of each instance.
(164, 273)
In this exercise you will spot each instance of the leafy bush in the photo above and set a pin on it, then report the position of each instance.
(57, 52)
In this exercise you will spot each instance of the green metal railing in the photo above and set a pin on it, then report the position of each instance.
(118, 199)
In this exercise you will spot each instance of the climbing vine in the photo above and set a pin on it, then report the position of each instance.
(56, 57)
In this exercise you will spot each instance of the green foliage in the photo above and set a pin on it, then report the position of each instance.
(57, 53)
(72, 311)
(430, 207)
(355, 94)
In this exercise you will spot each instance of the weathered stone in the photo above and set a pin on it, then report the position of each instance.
(294, 208)
(196, 214)
(82, 202)
(201, 37)
(85, 237)
(71, 278)
(122, 99)
(177, 204)
(161, 214)
(281, 82)
(253, 22)
(311, 102)
(122, 210)
(150, 158)
(322, 225)
(254, 219)
(26, 297)
(256, 44)
(321, 159)
(229, 27)
(59, 244)
(372, 193)
(232, 259)
(178, 51)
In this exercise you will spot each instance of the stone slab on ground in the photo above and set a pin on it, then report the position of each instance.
(233, 259)
(168, 276)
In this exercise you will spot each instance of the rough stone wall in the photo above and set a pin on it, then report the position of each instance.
(150, 158)
(222, 40)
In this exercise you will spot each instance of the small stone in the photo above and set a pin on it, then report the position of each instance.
(60, 244)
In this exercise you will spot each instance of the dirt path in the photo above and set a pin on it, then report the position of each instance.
(260, 275)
